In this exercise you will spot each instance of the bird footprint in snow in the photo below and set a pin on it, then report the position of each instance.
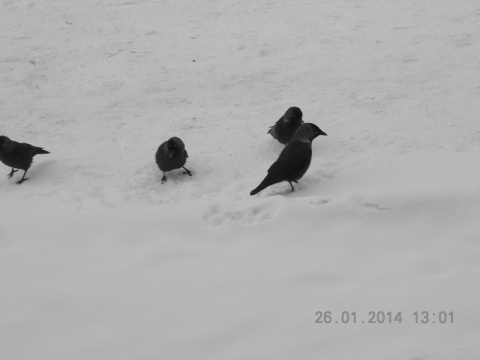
(239, 213)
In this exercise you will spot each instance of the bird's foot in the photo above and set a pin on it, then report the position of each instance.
(188, 172)
(164, 179)
(292, 185)
(21, 181)
(11, 173)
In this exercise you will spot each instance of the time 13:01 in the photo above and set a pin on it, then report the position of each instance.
(426, 317)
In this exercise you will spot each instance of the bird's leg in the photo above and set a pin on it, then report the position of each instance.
(164, 178)
(187, 171)
(11, 173)
(291, 186)
(23, 178)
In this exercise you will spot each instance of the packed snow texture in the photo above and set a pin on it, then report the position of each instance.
(99, 260)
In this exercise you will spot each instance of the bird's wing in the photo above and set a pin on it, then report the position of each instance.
(161, 152)
(24, 150)
(277, 129)
(272, 132)
(30, 150)
(292, 160)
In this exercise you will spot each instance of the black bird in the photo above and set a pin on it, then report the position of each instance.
(18, 155)
(172, 155)
(294, 160)
(285, 127)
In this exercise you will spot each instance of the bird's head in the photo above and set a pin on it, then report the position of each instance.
(174, 145)
(317, 130)
(4, 143)
(308, 132)
(293, 115)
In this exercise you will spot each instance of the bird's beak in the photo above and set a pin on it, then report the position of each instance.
(322, 133)
(170, 154)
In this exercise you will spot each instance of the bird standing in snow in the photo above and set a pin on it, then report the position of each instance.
(172, 155)
(285, 127)
(18, 155)
(294, 160)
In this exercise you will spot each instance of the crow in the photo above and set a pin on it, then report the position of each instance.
(172, 155)
(285, 127)
(18, 155)
(294, 159)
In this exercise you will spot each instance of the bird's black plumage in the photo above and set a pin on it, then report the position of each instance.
(294, 160)
(18, 155)
(172, 155)
(284, 129)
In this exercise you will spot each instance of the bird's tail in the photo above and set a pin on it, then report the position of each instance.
(256, 190)
(264, 184)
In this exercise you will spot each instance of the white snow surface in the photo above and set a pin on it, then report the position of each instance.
(99, 260)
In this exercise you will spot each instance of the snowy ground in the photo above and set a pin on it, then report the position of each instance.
(99, 260)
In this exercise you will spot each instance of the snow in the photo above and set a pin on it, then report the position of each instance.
(99, 260)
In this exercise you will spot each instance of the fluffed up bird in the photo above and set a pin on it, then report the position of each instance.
(172, 155)
(18, 155)
(285, 127)
(294, 160)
